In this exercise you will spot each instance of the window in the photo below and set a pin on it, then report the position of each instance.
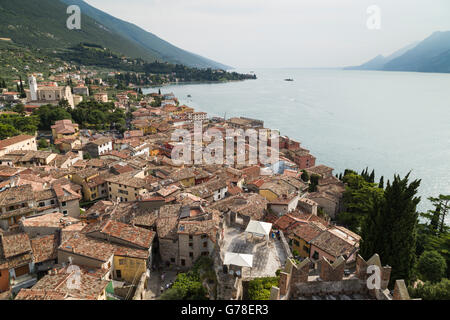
(64, 204)
(316, 255)
(65, 212)
(306, 249)
(52, 201)
(205, 244)
(172, 260)
(41, 204)
(191, 255)
(183, 262)
(205, 253)
(191, 237)
(296, 243)
(122, 262)
(118, 274)
(191, 245)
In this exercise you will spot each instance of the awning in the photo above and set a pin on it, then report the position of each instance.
(238, 259)
(257, 227)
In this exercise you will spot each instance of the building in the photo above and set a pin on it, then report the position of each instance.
(81, 90)
(98, 147)
(330, 281)
(101, 97)
(65, 129)
(16, 263)
(18, 143)
(48, 95)
(126, 187)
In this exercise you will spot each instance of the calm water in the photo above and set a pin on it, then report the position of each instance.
(391, 121)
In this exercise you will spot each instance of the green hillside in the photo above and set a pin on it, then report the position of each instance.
(42, 24)
(161, 49)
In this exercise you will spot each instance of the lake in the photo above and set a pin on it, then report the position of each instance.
(393, 122)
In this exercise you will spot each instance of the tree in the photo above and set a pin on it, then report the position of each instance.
(314, 182)
(19, 108)
(431, 266)
(431, 291)
(381, 184)
(359, 198)
(305, 176)
(42, 144)
(391, 228)
(7, 131)
(437, 216)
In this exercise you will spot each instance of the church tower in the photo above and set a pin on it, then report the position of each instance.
(33, 88)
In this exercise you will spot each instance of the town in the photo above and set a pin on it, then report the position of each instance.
(94, 208)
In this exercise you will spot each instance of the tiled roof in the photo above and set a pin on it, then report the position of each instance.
(15, 244)
(113, 229)
(8, 142)
(332, 244)
(44, 248)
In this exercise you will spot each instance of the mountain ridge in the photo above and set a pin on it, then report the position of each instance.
(132, 32)
(429, 55)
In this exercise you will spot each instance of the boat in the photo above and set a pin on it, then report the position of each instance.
(189, 96)
(288, 79)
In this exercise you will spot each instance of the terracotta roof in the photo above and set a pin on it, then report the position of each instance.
(44, 248)
(15, 244)
(8, 142)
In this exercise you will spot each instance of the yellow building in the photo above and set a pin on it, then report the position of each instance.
(302, 236)
(129, 269)
(65, 129)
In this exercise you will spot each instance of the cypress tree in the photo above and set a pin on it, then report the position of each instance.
(372, 177)
(391, 228)
(381, 184)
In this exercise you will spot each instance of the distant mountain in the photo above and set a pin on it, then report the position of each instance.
(429, 55)
(380, 61)
(159, 48)
(42, 24)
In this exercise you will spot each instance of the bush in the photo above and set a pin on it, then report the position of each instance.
(432, 291)
(431, 266)
(259, 289)
(42, 144)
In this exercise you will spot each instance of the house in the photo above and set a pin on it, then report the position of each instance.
(65, 129)
(101, 97)
(302, 235)
(99, 147)
(284, 204)
(16, 264)
(127, 187)
(60, 285)
(81, 90)
(18, 143)
(132, 256)
(185, 176)
(331, 246)
(15, 203)
(213, 190)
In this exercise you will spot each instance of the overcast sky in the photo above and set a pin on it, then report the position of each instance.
(284, 33)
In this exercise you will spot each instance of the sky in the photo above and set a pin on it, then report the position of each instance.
(285, 33)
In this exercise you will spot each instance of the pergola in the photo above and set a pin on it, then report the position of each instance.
(238, 259)
(258, 228)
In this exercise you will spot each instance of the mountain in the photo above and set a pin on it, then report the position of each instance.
(380, 61)
(159, 48)
(42, 24)
(427, 56)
